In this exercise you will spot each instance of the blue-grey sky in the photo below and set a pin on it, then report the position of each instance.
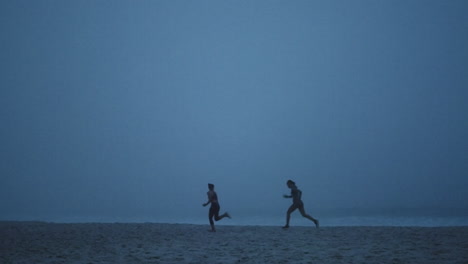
(128, 108)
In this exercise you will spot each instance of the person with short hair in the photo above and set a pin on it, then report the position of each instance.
(214, 208)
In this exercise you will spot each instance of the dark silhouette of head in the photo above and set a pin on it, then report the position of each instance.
(211, 186)
(290, 183)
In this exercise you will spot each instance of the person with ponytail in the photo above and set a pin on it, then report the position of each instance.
(297, 204)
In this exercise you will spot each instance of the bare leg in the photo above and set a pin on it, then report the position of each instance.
(303, 213)
(226, 214)
(217, 217)
(288, 214)
(212, 214)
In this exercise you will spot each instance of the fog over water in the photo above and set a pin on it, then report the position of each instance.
(124, 110)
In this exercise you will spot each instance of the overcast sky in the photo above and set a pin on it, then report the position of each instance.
(118, 108)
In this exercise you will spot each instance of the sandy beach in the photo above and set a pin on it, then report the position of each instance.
(37, 242)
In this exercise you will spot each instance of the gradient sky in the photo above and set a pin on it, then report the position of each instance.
(129, 108)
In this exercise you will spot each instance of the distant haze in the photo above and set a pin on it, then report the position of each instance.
(127, 109)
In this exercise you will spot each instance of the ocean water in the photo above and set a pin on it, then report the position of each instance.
(334, 217)
(298, 220)
(348, 217)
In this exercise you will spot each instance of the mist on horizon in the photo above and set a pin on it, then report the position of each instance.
(127, 110)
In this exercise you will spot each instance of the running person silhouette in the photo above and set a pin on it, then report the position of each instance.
(297, 204)
(214, 208)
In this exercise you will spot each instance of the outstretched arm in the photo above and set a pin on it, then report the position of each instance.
(287, 196)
